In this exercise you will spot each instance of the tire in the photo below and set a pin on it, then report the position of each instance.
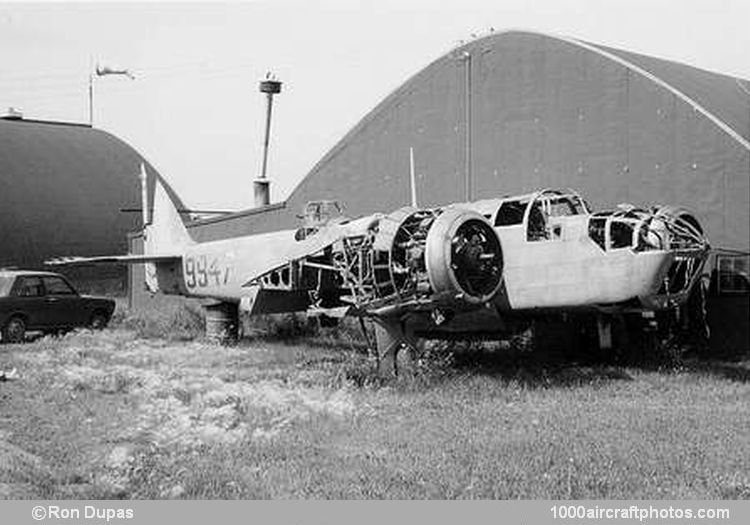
(98, 321)
(14, 330)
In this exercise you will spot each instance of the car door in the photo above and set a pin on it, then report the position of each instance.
(28, 299)
(63, 302)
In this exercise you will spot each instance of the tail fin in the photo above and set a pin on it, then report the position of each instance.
(166, 233)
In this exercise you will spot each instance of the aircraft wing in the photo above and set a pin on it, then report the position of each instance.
(313, 245)
(109, 259)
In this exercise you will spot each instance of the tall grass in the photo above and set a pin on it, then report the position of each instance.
(144, 411)
(180, 320)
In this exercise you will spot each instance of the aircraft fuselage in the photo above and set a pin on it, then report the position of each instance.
(572, 271)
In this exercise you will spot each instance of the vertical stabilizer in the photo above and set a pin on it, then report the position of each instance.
(166, 234)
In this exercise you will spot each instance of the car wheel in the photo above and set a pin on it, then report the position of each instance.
(98, 321)
(14, 331)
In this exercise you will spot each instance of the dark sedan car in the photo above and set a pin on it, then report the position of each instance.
(44, 301)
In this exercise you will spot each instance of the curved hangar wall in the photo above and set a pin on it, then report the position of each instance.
(62, 189)
(517, 111)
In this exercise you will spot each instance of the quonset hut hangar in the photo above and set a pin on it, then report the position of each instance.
(517, 111)
(64, 189)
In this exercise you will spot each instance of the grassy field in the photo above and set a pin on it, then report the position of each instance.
(139, 411)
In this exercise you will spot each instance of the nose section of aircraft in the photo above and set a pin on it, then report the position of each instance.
(679, 233)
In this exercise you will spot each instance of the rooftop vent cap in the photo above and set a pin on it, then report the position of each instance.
(12, 114)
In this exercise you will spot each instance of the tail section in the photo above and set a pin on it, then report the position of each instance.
(166, 233)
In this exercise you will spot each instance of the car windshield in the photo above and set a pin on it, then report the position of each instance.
(6, 282)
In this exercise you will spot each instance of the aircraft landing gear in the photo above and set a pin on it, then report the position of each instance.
(604, 330)
(392, 336)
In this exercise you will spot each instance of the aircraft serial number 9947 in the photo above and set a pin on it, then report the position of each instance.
(201, 272)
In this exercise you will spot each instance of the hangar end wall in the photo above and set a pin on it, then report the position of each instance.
(63, 189)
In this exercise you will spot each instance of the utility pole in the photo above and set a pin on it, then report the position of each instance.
(91, 92)
(101, 71)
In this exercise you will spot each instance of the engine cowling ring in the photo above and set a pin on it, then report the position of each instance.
(464, 257)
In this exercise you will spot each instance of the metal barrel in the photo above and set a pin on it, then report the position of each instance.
(222, 322)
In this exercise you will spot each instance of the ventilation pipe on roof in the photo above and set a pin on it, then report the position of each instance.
(12, 114)
(261, 186)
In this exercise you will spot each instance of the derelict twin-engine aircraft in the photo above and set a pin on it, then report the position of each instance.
(432, 272)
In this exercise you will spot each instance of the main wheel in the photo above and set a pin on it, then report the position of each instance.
(14, 331)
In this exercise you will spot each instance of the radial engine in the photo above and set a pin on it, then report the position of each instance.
(409, 260)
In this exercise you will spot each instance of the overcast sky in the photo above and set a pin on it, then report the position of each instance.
(194, 109)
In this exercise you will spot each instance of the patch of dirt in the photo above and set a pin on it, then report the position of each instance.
(208, 410)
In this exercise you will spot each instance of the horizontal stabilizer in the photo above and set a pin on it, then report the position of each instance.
(109, 259)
